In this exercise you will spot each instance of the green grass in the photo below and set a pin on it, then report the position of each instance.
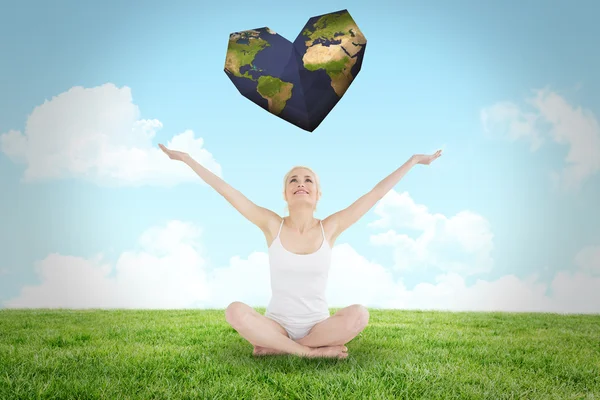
(119, 354)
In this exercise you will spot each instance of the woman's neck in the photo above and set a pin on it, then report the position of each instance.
(301, 219)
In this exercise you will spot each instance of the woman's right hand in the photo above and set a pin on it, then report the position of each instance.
(173, 154)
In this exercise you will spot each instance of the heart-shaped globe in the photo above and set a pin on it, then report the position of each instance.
(299, 82)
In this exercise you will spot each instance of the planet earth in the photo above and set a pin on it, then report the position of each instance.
(300, 82)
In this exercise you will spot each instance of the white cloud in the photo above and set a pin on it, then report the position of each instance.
(245, 280)
(567, 293)
(588, 260)
(510, 120)
(576, 128)
(97, 134)
(160, 274)
(354, 279)
(461, 243)
(169, 271)
(555, 118)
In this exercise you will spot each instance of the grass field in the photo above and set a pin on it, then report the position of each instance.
(126, 354)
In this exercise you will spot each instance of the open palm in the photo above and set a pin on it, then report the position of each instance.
(427, 159)
(173, 154)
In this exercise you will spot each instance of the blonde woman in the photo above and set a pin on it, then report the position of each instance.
(297, 320)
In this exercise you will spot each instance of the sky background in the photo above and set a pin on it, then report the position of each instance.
(92, 214)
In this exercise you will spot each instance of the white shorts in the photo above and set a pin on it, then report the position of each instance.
(298, 329)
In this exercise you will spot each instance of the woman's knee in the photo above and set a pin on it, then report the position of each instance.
(235, 313)
(359, 317)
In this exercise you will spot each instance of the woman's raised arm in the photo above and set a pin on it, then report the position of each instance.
(259, 216)
(342, 220)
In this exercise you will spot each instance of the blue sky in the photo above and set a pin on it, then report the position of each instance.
(430, 72)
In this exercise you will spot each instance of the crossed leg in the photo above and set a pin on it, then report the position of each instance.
(264, 333)
(339, 329)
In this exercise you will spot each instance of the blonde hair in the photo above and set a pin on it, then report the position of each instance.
(289, 173)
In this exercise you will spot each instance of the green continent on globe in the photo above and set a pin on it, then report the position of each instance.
(336, 59)
(240, 54)
(275, 91)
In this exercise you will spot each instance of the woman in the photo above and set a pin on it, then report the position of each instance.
(297, 319)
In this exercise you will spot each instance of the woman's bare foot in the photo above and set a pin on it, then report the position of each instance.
(328, 351)
(265, 351)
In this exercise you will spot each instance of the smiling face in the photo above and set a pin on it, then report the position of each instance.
(301, 188)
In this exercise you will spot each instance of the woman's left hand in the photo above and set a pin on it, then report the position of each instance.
(426, 159)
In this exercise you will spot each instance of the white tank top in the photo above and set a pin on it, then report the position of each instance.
(298, 282)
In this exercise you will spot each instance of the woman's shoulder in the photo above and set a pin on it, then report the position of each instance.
(272, 227)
